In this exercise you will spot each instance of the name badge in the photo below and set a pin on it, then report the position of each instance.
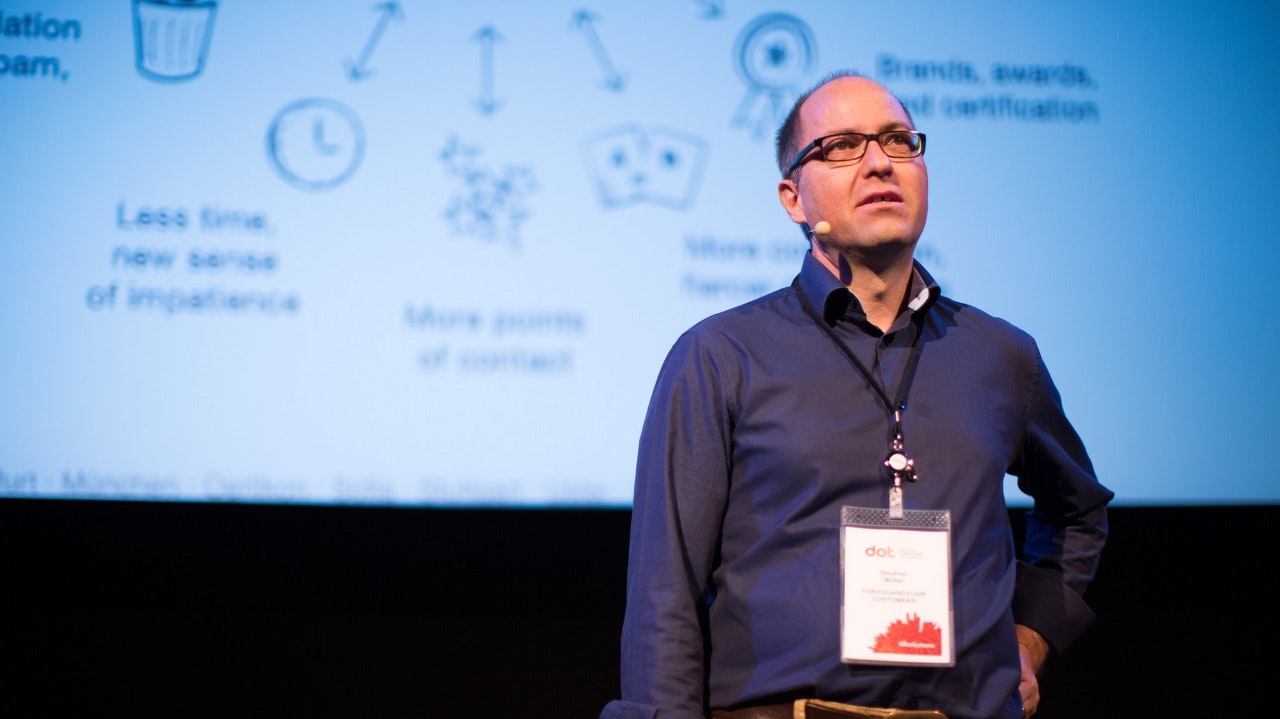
(897, 587)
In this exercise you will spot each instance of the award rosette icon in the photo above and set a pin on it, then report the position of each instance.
(172, 37)
(774, 54)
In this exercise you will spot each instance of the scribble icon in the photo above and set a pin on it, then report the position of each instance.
(171, 37)
(488, 205)
(631, 165)
(773, 54)
(315, 144)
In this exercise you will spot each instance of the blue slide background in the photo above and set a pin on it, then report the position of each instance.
(433, 254)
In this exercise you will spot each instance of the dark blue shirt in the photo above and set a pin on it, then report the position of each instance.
(760, 429)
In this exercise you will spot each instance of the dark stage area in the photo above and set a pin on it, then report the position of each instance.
(142, 609)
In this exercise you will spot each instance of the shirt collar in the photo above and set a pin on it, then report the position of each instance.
(834, 298)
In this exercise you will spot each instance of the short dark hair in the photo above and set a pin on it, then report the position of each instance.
(786, 144)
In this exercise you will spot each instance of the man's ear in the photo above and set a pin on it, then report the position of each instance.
(789, 196)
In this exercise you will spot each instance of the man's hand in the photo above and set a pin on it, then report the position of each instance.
(1032, 650)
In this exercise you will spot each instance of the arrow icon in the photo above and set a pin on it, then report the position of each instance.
(487, 36)
(711, 9)
(585, 21)
(358, 70)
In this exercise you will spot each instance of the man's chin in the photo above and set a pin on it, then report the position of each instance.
(882, 247)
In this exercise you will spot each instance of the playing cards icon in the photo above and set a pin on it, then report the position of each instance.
(632, 165)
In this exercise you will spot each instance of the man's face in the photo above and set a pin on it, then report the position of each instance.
(876, 206)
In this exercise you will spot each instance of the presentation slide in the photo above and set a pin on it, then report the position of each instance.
(433, 254)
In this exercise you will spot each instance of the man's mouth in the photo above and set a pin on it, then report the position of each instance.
(880, 197)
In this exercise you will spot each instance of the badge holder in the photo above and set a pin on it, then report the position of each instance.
(900, 465)
(896, 577)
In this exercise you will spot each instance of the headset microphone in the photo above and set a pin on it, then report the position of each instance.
(822, 228)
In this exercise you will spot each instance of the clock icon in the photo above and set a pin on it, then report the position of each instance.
(315, 144)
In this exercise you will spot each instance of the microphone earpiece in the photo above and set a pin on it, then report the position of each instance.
(822, 228)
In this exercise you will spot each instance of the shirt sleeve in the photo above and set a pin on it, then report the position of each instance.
(681, 489)
(1067, 525)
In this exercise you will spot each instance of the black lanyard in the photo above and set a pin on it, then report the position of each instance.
(899, 464)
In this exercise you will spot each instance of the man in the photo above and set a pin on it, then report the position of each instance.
(857, 387)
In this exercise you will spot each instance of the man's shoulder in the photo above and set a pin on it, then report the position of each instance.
(751, 318)
(972, 322)
(743, 334)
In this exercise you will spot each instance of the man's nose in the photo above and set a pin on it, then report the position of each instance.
(875, 161)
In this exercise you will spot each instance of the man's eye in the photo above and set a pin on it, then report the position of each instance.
(844, 144)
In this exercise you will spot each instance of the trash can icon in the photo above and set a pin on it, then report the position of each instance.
(172, 37)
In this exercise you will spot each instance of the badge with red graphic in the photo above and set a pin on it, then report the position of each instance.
(897, 588)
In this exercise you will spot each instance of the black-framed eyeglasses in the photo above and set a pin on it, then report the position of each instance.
(849, 146)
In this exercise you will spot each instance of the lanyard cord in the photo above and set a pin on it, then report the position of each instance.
(899, 464)
(894, 408)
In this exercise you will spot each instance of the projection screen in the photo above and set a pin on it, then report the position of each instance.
(433, 254)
